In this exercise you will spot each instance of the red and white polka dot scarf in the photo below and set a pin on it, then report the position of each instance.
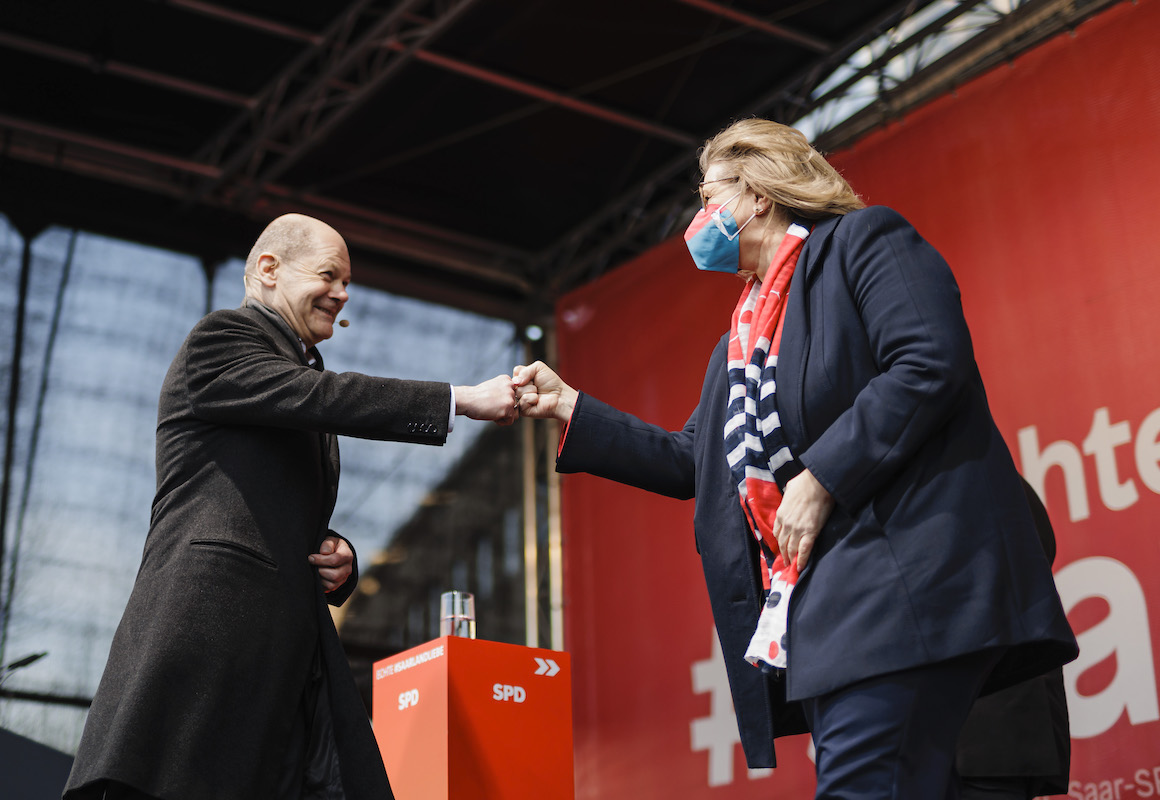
(755, 445)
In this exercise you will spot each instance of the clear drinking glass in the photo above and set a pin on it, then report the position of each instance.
(457, 614)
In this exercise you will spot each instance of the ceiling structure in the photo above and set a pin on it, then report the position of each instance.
(484, 154)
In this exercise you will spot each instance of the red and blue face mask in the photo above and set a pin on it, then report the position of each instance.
(712, 238)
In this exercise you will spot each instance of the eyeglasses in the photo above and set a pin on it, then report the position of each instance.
(701, 188)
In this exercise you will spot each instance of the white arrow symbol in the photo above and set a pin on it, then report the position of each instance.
(546, 666)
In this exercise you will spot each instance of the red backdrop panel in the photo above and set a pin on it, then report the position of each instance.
(1038, 182)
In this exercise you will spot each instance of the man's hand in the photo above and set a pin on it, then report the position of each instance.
(334, 561)
(494, 400)
(804, 509)
(541, 393)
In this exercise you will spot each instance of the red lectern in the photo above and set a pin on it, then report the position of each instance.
(469, 719)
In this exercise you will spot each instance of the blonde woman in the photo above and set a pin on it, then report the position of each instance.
(871, 560)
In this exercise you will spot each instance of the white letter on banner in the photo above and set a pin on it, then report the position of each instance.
(1101, 442)
(1124, 634)
(1148, 451)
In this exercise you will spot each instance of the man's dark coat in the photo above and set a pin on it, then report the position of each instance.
(226, 618)
(930, 552)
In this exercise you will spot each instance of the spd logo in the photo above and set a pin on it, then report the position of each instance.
(408, 699)
(511, 694)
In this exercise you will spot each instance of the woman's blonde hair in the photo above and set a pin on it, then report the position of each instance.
(776, 161)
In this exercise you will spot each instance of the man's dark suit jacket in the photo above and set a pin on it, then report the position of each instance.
(930, 552)
(226, 618)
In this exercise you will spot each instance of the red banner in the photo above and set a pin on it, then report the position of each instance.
(1038, 182)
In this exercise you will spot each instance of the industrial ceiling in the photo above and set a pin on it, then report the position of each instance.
(484, 154)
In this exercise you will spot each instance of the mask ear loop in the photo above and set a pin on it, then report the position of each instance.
(720, 223)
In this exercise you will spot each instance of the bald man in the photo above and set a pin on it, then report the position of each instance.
(226, 679)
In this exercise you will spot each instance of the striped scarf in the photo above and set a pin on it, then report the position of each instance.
(756, 447)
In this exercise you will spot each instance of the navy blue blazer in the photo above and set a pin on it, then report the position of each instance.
(1022, 731)
(930, 552)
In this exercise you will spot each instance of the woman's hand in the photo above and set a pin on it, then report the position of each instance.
(541, 394)
(805, 507)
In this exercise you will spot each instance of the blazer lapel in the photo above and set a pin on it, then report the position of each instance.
(795, 335)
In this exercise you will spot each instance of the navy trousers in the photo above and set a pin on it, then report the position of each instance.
(893, 737)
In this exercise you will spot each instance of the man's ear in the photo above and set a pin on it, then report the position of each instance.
(268, 269)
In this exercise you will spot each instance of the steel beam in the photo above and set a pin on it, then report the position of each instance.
(123, 70)
(316, 91)
(459, 67)
(563, 99)
(764, 26)
(247, 20)
(160, 173)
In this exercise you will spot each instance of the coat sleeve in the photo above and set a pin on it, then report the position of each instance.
(609, 443)
(908, 304)
(236, 374)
